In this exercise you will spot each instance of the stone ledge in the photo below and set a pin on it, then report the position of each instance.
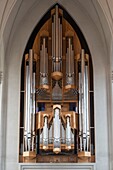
(58, 166)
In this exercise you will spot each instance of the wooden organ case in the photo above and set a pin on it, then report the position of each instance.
(57, 95)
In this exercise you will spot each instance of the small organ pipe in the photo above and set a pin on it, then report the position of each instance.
(50, 134)
(54, 22)
(61, 41)
(45, 133)
(68, 133)
(69, 71)
(44, 62)
(72, 61)
(67, 64)
(52, 38)
(63, 134)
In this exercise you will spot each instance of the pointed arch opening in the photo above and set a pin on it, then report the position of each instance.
(57, 97)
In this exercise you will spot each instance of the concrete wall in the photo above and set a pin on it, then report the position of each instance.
(18, 19)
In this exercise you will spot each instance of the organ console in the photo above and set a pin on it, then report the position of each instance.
(57, 98)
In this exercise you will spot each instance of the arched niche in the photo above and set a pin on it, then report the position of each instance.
(15, 47)
(44, 31)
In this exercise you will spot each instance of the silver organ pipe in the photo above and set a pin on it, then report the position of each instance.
(43, 64)
(57, 33)
(56, 134)
(63, 134)
(68, 133)
(52, 43)
(26, 109)
(87, 104)
(33, 112)
(45, 133)
(59, 39)
(83, 99)
(29, 108)
(31, 68)
(80, 112)
(54, 38)
(69, 63)
(51, 134)
(61, 44)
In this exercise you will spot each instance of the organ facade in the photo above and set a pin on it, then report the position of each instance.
(58, 86)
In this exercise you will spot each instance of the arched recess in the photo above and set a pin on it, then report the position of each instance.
(70, 32)
(15, 47)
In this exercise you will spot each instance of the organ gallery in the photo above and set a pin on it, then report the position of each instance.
(57, 119)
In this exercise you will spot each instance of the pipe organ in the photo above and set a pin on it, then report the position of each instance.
(57, 97)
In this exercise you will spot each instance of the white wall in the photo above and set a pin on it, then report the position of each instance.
(19, 19)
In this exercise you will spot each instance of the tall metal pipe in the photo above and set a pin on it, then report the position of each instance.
(56, 134)
(69, 63)
(29, 111)
(57, 33)
(43, 63)
(54, 38)
(80, 112)
(33, 112)
(87, 108)
(59, 40)
(68, 133)
(26, 109)
(83, 98)
(45, 133)
(31, 68)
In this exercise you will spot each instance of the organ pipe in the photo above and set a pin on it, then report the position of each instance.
(31, 68)
(45, 133)
(56, 123)
(68, 133)
(33, 112)
(57, 33)
(44, 64)
(80, 112)
(69, 63)
(26, 110)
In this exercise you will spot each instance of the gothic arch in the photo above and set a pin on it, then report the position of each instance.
(21, 29)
